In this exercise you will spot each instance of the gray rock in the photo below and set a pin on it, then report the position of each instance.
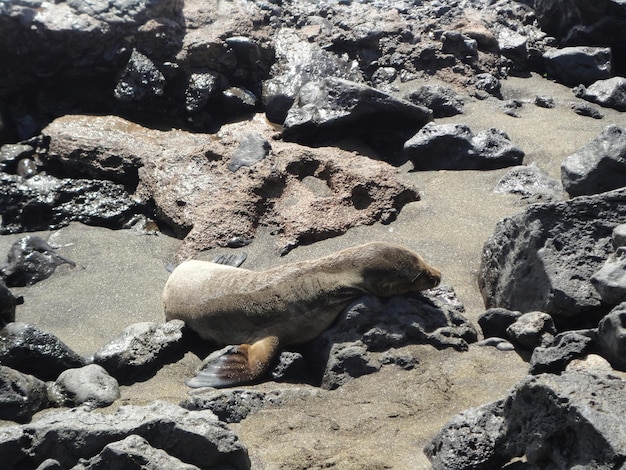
(612, 336)
(368, 328)
(610, 279)
(335, 108)
(7, 304)
(11, 154)
(531, 330)
(567, 346)
(443, 101)
(513, 45)
(233, 406)
(598, 166)
(619, 236)
(576, 65)
(455, 147)
(542, 259)
(21, 395)
(140, 80)
(487, 83)
(47, 203)
(297, 63)
(194, 437)
(132, 453)
(291, 367)
(610, 93)
(544, 101)
(30, 260)
(575, 420)
(470, 440)
(532, 184)
(252, 149)
(50, 464)
(141, 349)
(459, 45)
(495, 321)
(574, 22)
(201, 86)
(90, 385)
(584, 109)
(572, 420)
(26, 348)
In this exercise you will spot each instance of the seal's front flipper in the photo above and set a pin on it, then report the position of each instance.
(236, 365)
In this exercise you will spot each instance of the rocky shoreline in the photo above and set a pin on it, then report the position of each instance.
(488, 136)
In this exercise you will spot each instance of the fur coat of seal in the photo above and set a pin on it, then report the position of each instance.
(257, 313)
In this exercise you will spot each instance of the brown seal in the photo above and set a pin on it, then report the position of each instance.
(259, 312)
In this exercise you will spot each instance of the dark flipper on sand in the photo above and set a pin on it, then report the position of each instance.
(236, 365)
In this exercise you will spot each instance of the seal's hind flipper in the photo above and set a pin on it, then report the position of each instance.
(236, 365)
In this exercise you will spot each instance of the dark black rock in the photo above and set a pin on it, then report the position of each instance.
(194, 437)
(612, 336)
(334, 108)
(455, 147)
(28, 349)
(569, 420)
(443, 101)
(542, 259)
(489, 84)
(140, 79)
(230, 406)
(237, 100)
(297, 63)
(291, 367)
(31, 259)
(619, 236)
(544, 102)
(141, 349)
(578, 65)
(610, 93)
(531, 330)
(7, 304)
(584, 109)
(495, 321)
(565, 347)
(47, 203)
(572, 420)
(470, 440)
(90, 386)
(598, 166)
(21, 395)
(252, 149)
(132, 453)
(532, 184)
(11, 154)
(459, 45)
(201, 86)
(610, 279)
(368, 328)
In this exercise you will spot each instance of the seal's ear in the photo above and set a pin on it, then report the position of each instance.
(236, 365)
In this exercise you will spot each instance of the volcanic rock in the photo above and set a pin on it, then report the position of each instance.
(90, 385)
(21, 395)
(612, 336)
(610, 93)
(578, 65)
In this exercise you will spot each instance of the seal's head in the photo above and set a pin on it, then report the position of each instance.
(390, 269)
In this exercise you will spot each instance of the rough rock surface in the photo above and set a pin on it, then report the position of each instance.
(543, 258)
(610, 93)
(141, 349)
(579, 65)
(194, 437)
(133, 452)
(443, 101)
(598, 166)
(21, 395)
(575, 420)
(90, 385)
(531, 183)
(531, 330)
(369, 330)
(612, 336)
(566, 346)
(455, 147)
(26, 348)
(7, 304)
(335, 108)
(610, 279)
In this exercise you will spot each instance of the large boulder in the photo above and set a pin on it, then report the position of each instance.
(21, 395)
(598, 166)
(194, 437)
(576, 65)
(572, 420)
(610, 93)
(456, 147)
(612, 336)
(543, 258)
(333, 108)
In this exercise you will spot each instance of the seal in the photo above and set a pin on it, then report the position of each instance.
(257, 313)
